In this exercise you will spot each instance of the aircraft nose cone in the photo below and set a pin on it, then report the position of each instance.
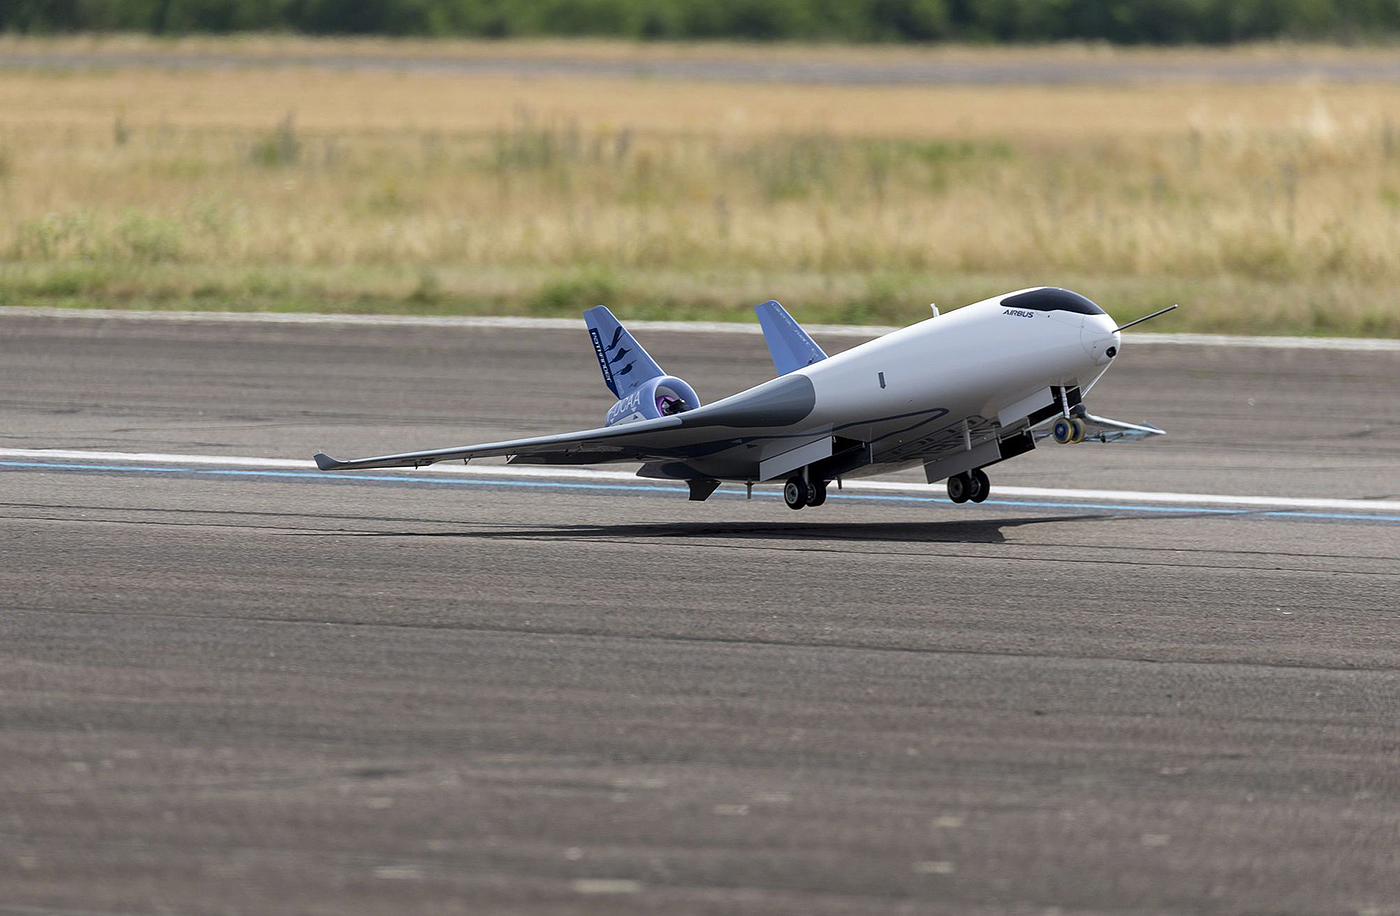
(1100, 339)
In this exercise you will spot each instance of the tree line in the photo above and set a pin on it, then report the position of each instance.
(1119, 21)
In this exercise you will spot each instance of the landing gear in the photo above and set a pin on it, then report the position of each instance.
(1068, 430)
(972, 485)
(799, 492)
(981, 486)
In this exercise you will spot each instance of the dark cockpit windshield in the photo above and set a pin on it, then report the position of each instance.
(1051, 299)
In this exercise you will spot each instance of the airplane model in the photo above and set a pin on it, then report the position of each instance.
(955, 393)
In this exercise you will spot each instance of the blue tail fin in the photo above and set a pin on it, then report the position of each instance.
(789, 344)
(624, 363)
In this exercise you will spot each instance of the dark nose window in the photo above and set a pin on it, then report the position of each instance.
(1052, 299)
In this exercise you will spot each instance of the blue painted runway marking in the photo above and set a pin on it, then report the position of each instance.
(456, 481)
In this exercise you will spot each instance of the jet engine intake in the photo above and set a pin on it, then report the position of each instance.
(663, 396)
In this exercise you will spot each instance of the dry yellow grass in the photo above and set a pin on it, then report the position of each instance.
(331, 100)
(1264, 208)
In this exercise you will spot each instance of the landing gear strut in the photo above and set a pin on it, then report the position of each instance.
(971, 485)
(799, 492)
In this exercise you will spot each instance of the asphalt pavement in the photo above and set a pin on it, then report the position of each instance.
(233, 690)
(934, 70)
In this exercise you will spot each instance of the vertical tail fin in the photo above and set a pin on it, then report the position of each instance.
(624, 363)
(789, 345)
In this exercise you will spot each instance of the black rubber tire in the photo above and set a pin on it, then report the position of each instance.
(959, 487)
(795, 493)
(818, 495)
(981, 486)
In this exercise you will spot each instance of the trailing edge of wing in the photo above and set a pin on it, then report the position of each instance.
(789, 345)
(609, 438)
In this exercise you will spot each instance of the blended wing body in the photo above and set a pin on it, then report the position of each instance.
(954, 394)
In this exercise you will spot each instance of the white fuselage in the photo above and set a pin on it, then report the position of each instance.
(947, 376)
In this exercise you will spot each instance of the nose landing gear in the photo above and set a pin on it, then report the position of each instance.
(1068, 430)
(969, 486)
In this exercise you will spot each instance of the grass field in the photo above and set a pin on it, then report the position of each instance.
(1271, 208)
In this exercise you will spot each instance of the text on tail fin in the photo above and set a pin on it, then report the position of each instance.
(623, 361)
(788, 344)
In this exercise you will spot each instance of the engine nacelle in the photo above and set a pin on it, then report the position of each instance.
(663, 396)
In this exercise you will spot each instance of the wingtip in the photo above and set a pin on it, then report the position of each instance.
(325, 462)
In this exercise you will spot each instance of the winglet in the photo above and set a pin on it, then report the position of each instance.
(326, 462)
(788, 344)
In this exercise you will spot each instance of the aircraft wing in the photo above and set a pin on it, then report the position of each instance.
(589, 446)
(769, 410)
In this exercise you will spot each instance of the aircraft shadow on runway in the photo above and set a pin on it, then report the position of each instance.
(970, 531)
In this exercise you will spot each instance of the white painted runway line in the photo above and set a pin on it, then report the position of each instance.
(1353, 344)
(518, 472)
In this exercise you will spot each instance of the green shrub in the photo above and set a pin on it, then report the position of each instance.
(1124, 21)
(571, 295)
(149, 239)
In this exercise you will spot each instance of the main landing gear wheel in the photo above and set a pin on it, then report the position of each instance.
(972, 485)
(818, 495)
(797, 493)
(981, 486)
(960, 488)
(1068, 430)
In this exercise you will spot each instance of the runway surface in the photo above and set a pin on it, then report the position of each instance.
(1030, 70)
(239, 688)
